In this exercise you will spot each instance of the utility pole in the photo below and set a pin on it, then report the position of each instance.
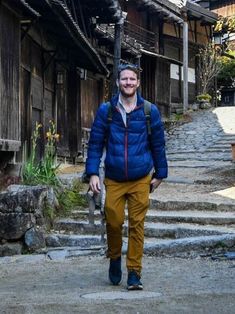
(185, 65)
(117, 51)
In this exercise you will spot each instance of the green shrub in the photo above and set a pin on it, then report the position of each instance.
(204, 97)
(70, 198)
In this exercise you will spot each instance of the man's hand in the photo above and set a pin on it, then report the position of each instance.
(155, 184)
(94, 184)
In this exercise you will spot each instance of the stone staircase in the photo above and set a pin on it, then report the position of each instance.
(192, 212)
(171, 228)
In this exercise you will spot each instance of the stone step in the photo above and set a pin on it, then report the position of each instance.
(204, 157)
(73, 240)
(221, 145)
(183, 247)
(192, 246)
(199, 164)
(70, 226)
(227, 137)
(188, 216)
(218, 150)
(158, 230)
(175, 205)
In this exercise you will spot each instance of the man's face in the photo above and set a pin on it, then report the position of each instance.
(128, 83)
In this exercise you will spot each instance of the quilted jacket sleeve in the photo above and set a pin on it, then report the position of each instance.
(157, 144)
(97, 141)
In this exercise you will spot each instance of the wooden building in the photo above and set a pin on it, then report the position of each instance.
(153, 37)
(10, 124)
(56, 56)
(44, 59)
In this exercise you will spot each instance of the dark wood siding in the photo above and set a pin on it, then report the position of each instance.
(62, 111)
(9, 75)
(74, 113)
(163, 86)
(91, 97)
(25, 110)
(155, 82)
(38, 88)
(148, 65)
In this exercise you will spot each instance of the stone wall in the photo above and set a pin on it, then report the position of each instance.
(22, 222)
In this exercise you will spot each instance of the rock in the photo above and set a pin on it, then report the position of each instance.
(23, 199)
(34, 239)
(57, 255)
(14, 225)
(9, 249)
(52, 199)
(53, 241)
(195, 106)
(205, 105)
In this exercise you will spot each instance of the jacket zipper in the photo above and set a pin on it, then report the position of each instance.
(126, 147)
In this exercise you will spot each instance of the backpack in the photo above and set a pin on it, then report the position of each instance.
(147, 112)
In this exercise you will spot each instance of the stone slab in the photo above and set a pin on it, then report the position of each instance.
(121, 295)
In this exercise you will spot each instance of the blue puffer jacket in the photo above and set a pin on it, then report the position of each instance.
(129, 153)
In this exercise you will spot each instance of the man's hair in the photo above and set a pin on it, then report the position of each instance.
(133, 67)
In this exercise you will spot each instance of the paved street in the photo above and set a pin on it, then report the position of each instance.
(203, 131)
(171, 285)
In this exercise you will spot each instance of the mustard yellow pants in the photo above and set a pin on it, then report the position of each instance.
(136, 194)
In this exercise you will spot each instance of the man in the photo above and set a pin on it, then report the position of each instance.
(131, 155)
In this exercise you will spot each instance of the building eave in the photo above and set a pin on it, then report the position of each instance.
(165, 8)
(23, 8)
(159, 56)
(57, 18)
(77, 35)
(199, 12)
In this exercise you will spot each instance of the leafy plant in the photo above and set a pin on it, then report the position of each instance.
(43, 171)
(225, 25)
(70, 198)
(204, 97)
(226, 76)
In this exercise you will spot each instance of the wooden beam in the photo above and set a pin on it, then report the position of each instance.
(9, 145)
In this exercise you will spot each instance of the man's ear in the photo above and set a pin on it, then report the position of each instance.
(117, 82)
(138, 83)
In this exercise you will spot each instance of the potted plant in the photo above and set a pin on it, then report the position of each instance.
(204, 101)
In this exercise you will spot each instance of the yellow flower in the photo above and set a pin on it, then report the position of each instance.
(57, 136)
(38, 125)
(49, 135)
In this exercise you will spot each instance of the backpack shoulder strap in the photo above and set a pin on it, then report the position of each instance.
(147, 112)
(110, 112)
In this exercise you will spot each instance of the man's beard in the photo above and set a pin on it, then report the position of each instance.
(126, 95)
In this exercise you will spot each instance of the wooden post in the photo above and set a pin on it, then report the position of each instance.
(117, 52)
(185, 65)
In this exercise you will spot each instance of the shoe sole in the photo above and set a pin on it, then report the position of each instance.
(115, 284)
(135, 287)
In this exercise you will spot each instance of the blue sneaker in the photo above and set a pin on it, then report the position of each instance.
(115, 271)
(133, 281)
